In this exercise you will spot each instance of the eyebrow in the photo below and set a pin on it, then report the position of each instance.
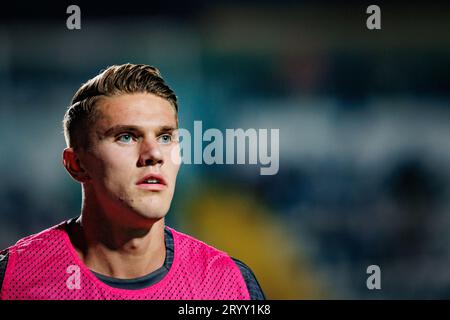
(136, 129)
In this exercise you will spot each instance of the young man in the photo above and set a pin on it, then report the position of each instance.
(121, 133)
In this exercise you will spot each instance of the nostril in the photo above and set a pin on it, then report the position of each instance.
(152, 161)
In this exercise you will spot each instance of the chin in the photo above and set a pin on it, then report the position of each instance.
(152, 213)
(151, 209)
(154, 216)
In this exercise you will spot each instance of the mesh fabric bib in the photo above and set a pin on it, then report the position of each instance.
(46, 266)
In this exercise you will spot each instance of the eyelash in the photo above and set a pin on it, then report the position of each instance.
(135, 138)
(125, 134)
(166, 135)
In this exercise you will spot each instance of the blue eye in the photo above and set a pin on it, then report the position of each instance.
(125, 138)
(165, 138)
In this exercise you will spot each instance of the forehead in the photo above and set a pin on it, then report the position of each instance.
(139, 109)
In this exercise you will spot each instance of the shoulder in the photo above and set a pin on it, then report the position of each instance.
(39, 239)
(209, 252)
(3, 264)
(190, 242)
(188, 248)
(34, 245)
(254, 289)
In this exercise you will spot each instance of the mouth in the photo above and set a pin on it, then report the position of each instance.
(153, 182)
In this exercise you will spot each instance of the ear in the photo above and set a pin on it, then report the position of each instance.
(73, 165)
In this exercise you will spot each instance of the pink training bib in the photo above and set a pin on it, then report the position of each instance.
(46, 266)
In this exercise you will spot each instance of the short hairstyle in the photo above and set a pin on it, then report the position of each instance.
(115, 80)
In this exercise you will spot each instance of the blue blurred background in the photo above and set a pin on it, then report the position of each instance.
(364, 124)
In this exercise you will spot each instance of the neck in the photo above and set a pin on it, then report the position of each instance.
(113, 248)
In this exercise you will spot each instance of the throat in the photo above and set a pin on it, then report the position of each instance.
(118, 252)
(125, 265)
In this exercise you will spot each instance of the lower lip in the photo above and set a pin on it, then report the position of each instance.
(151, 187)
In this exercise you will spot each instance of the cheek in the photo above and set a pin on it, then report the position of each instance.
(173, 163)
(173, 155)
(116, 169)
(173, 174)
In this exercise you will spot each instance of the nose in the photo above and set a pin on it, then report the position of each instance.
(149, 153)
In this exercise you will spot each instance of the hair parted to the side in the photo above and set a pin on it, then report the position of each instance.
(115, 80)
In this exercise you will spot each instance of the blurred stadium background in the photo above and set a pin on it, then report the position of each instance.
(364, 123)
